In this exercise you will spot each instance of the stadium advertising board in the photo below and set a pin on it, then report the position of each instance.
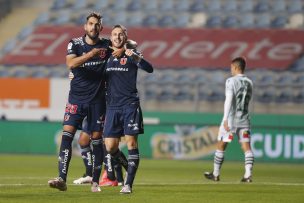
(168, 47)
(176, 136)
(33, 99)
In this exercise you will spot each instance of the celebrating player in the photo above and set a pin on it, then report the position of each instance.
(236, 120)
(86, 57)
(123, 115)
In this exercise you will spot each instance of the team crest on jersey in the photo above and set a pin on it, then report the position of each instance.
(123, 61)
(103, 53)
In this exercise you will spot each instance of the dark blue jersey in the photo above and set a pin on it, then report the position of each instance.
(87, 85)
(121, 76)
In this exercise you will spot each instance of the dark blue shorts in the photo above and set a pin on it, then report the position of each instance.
(75, 114)
(125, 120)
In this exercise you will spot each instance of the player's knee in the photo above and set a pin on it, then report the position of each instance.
(84, 139)
(132, 144)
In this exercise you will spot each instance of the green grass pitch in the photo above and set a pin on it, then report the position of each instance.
(23, 178)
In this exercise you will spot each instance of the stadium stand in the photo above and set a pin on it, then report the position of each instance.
(202, 86)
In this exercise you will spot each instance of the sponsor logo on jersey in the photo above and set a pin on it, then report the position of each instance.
(123, 61)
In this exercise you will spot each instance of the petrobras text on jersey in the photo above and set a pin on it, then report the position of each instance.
(117, 69)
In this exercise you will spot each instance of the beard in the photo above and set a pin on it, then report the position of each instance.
(93, 37)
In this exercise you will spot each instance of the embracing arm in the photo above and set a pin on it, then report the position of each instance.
(73, 61)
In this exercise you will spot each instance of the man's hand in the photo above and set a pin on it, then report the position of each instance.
(71, 75)
(226, 125)
(117, 52)
(136, 57)
(95, 52)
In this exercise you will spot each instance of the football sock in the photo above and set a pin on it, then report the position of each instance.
(65, 154)
(218, 161)
(86, 155)
(118, 171)
(97, 156)
(121, 158)
(109, 167)
(249, 160)
(133, 163)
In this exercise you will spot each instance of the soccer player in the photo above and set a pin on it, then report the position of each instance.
(123, 114)
(236, 120)
(86, 58)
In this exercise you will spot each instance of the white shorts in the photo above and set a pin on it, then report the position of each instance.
(242, 133)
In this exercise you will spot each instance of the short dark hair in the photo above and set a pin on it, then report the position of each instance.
(124, 29)
(96, 15)
(239, 62)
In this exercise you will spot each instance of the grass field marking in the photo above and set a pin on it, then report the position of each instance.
(169, 184)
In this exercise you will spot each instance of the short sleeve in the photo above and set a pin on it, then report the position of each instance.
(71, 48)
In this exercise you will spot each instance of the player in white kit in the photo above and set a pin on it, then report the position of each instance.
(236, 120)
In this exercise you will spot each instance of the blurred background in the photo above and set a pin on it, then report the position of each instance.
(189, 42)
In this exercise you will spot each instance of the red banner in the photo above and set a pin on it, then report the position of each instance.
(276, 49)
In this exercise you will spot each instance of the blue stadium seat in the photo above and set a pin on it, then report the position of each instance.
(4, 72)
(59, 4)
(262, 20)
(135, 19)
(42, 18)
(166, 21)
(298, 97)
(214, 6)
(214, 21)
(295, 6)
(197, 6)
(167, 93)
(151, 5)
(215, 94)
(151, 78)
(134, 5)
(284, 95)
(9, 46)
(25, 32)
(101, 4)
(20, 72)
(184, 93)
(279, 6)
(120, 18)
(298, 65)
(266, 95)
(63, 17)
(40, 72)
(299, 79)
(246, 6)
(230, 6)
(119, 5)
(79, 4)
(166, 5)
(247, 21)
(262, 7)
(231, 22)
(182, 20)
(285, 79)
(267, 79)
(279, 22)
(181, 5)
(150, 21)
